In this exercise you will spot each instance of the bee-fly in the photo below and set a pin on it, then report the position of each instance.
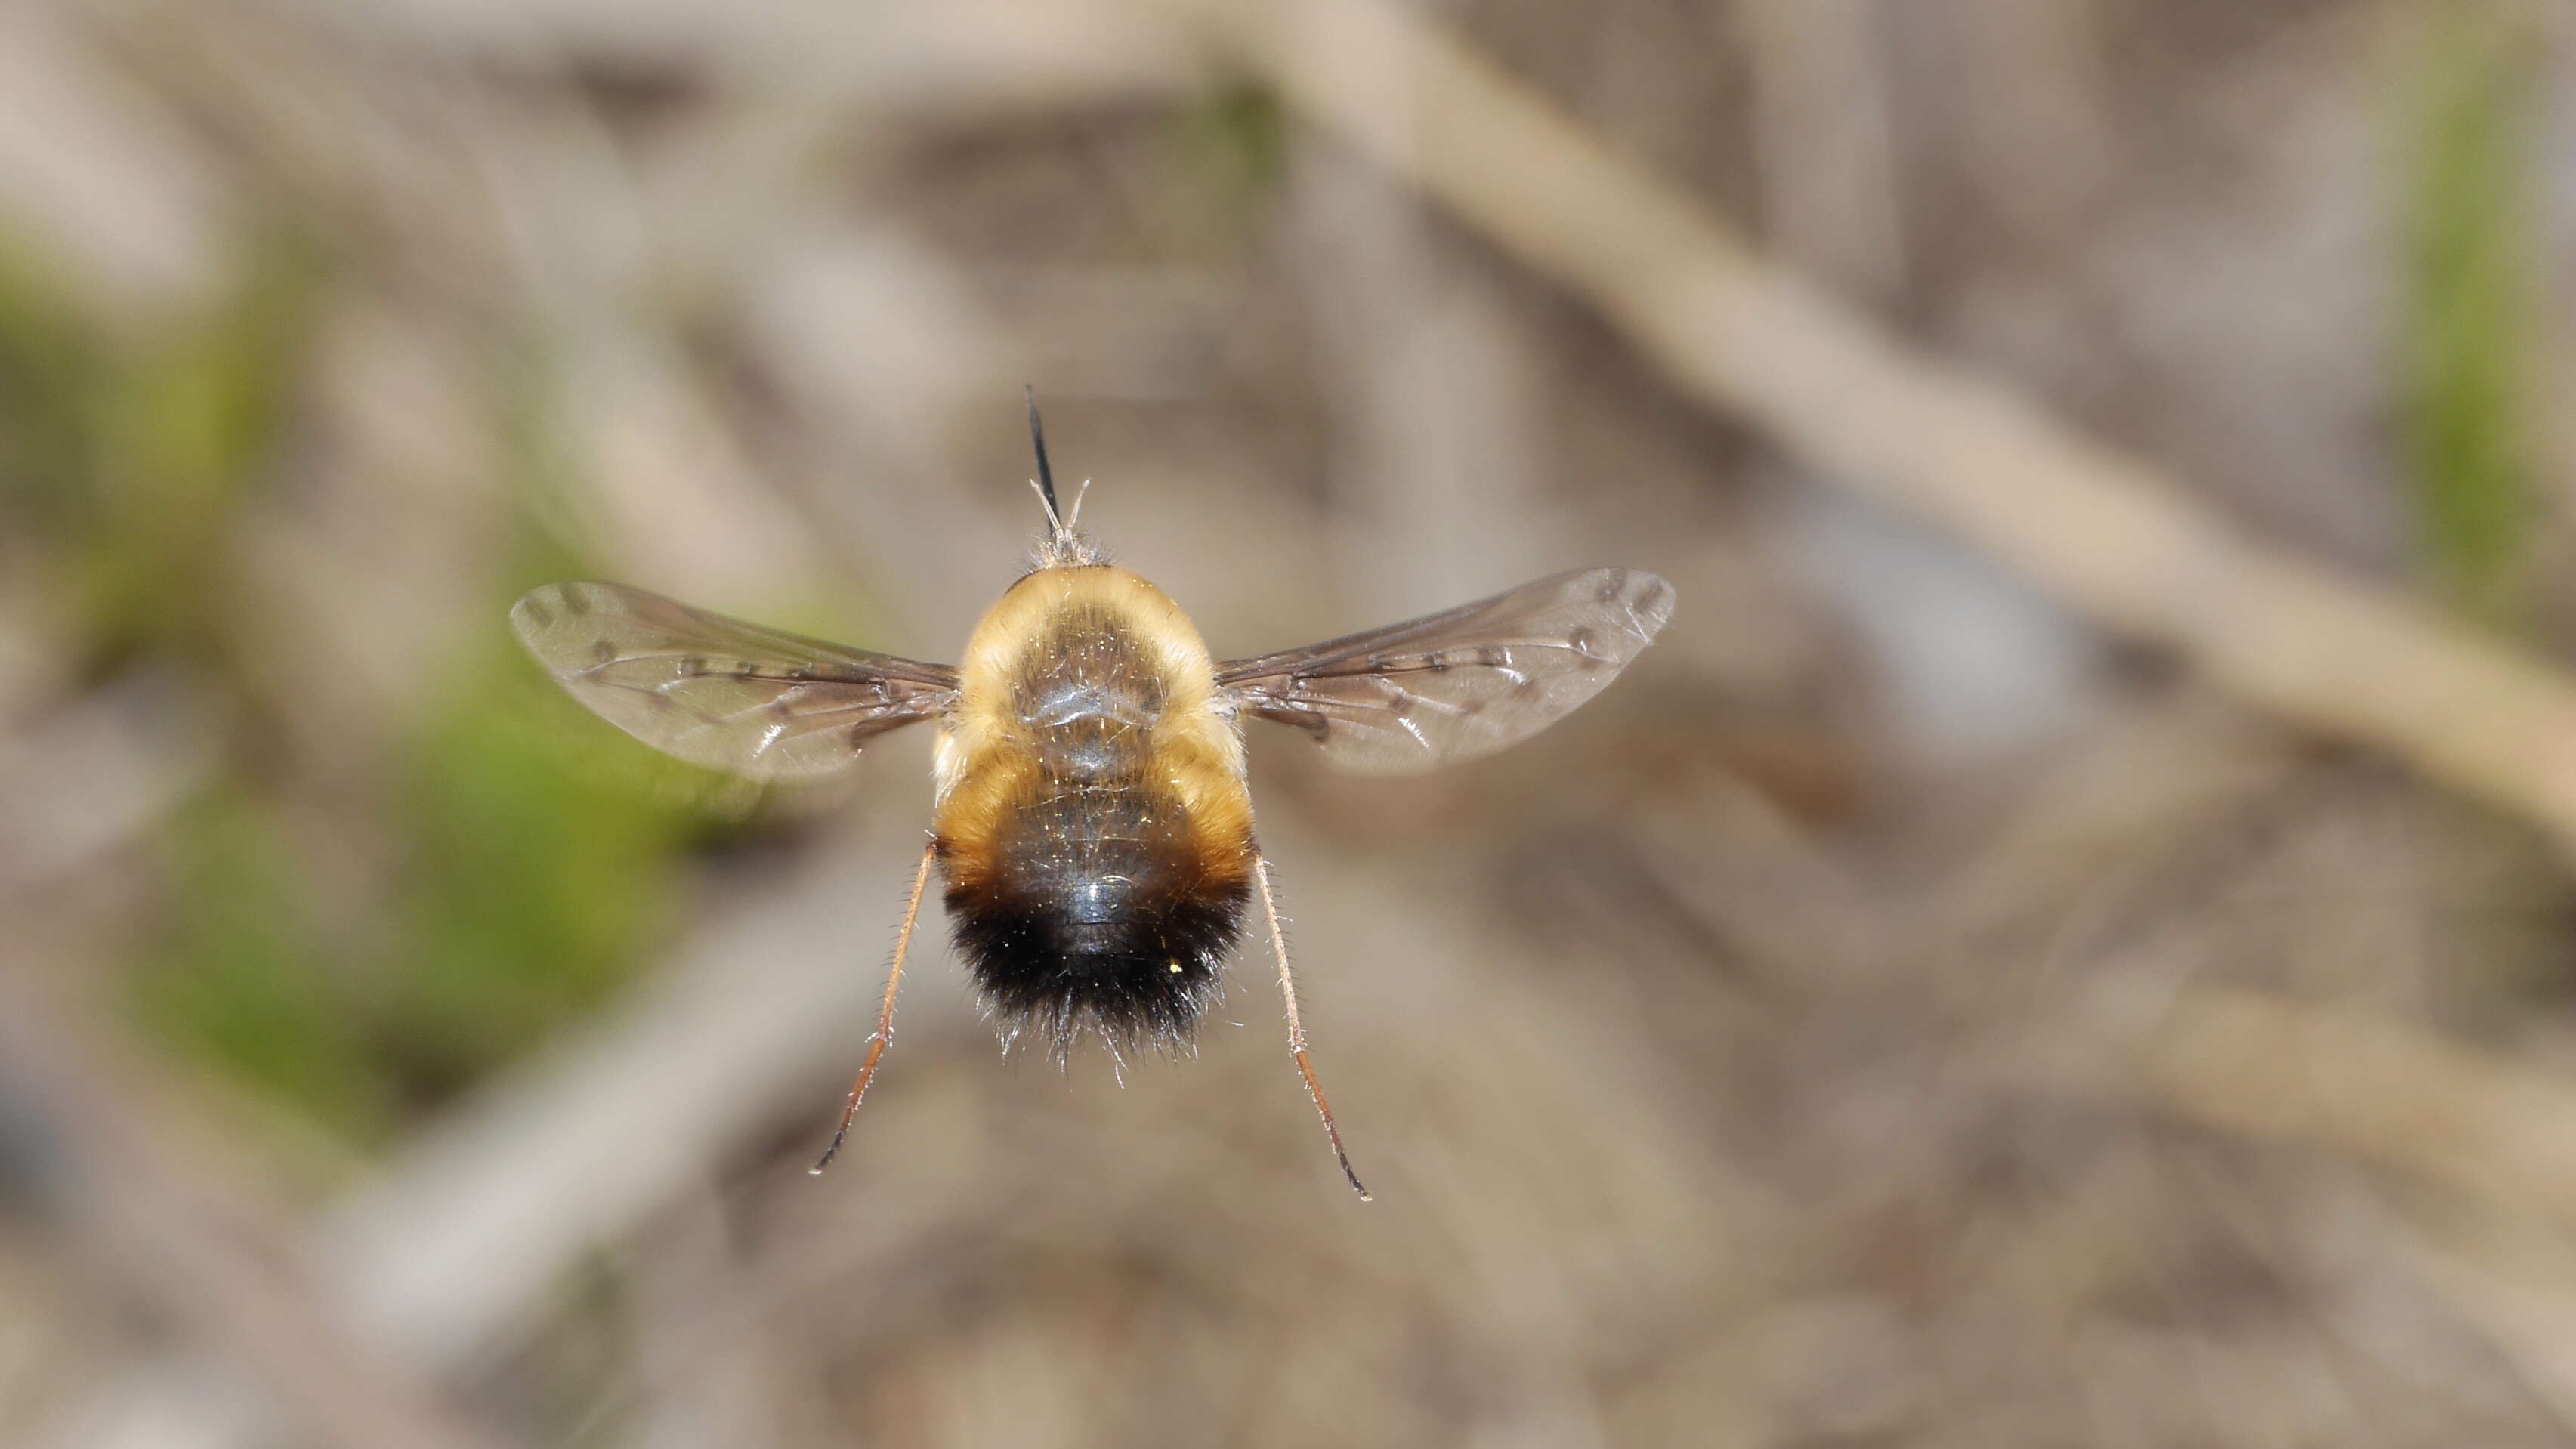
(1093, 826)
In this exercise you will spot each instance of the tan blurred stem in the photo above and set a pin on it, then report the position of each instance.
(2502, 1135)
(166, 1204)
(447, 1253)
(2512, 1278)
(2263, 1066)
(2112, 538)
(144, 1174)
(1822, 142)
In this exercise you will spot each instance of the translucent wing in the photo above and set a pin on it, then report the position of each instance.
(1460, 683)
(717, 691)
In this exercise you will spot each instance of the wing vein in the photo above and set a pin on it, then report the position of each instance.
(1459, 683)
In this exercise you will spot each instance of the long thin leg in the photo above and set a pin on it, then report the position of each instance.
(1297, 1029)
(885, 1018)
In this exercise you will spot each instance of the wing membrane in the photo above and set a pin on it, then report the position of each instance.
(720, 692)
(1460, 683)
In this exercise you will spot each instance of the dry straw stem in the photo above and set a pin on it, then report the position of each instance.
(2259, 1066)
(144, 1174)
(150, 1183)
(452, 1250)
(2115, 540)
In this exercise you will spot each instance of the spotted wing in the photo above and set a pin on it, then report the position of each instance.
(1460, 683)
(717, 691)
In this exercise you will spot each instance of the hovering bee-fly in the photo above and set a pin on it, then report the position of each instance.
(1093, 825)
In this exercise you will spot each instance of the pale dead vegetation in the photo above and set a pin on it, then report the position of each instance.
(2168, 1044)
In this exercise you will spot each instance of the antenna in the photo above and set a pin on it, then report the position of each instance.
(1046, 475)
(1063, 548)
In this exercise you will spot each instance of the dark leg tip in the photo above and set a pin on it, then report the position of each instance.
(834, 1151)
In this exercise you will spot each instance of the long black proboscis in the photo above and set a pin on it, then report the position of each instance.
(1037, 435)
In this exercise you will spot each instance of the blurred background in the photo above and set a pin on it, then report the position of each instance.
(1901, 1011)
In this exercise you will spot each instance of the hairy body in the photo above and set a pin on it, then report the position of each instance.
(1093, 826)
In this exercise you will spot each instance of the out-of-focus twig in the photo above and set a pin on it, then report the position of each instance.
(2515, 1282)
(456, 1243)
(90, 171)
(2113, 538)
(1822, 140)
(455, 1246)
(123, 1150)
(196, 1237)
(94, 773)
(965, 56)
(2031, 107)
(2259, 1065)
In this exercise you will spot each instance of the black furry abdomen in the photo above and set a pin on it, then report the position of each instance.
(1092, 910)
